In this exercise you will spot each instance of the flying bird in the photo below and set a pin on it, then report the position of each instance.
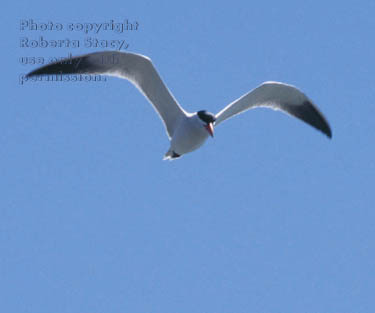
(187, 131)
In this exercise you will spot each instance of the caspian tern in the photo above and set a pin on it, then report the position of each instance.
(187, 131)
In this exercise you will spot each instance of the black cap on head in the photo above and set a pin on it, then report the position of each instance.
(206, 117)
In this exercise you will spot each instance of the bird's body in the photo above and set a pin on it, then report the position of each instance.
(187, 131)
(189, 136)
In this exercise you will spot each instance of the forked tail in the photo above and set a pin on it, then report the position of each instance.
(171, 155)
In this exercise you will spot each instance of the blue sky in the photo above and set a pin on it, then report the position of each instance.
(269, 216)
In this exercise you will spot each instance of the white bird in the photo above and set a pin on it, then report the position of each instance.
(187, 131)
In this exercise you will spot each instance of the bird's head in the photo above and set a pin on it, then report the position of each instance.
(208, 120)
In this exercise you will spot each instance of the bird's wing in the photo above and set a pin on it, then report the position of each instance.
(136, 68)
(278, 96)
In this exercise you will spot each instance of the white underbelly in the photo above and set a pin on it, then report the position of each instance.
(188, 137)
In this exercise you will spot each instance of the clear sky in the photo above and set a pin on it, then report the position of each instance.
(269, 216)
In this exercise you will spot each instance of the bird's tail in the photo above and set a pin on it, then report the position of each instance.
(171, 155)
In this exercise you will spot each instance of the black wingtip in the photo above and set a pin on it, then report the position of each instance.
(67, 66)
(35, 73)
(311, 115)
(325, 129)
(329, 134)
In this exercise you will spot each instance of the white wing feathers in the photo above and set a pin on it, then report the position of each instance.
(278, 96)
(140, 71)
(136, 68)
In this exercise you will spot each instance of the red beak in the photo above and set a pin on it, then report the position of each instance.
(210, 129)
